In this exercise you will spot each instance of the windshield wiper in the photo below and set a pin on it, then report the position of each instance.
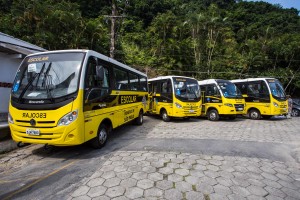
(47, 82)
(27, 86)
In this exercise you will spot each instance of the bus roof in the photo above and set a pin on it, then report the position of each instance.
(250, 79)
(208, 81)
(91, 52)
(166, 77)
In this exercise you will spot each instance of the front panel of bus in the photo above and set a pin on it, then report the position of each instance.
(223, 96)
(46, 101)
(279, 103)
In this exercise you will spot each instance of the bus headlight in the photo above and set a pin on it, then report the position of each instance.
(178, 105)
(68, 118)
(228, 104)
(10, 119)
(275, 104)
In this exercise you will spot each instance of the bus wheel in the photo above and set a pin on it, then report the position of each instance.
(165, 116)
(213, 115)
(254, 114)
(295, 113)
(139, 120)
(99, 141)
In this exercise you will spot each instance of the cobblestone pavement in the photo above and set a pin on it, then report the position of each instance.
(164, 174)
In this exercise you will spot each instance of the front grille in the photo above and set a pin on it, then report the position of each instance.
(39, 124)
(188, 109)
(239, 107)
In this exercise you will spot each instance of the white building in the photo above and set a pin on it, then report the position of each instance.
(12, 51)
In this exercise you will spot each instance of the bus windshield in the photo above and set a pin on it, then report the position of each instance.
(186, 89)
(229, 89)
(48, 76)
(276, 88)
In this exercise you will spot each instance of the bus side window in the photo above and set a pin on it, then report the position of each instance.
(90, 80)
(143, 84)
(212, 90)
(134, 81)
(121, 78)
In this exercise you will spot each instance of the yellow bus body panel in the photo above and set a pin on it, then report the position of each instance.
(269, 108)
(223, 109)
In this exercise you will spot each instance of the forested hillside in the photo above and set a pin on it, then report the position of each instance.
(205, 39)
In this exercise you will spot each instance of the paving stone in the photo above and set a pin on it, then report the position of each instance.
(240, 191)
(149, 169)
(254, 197)
(256, 182)
(270, 176)
(164, 184)
(182, 172)
(254, 169)
(212, 168)
(121, 168)
(155, 176)
(97, 174)
(124, 175)
(95, 182)
(134, 192)
(271, 197)
(284, 177)
(240, 182)
(183, 186)
(145, 183)
(211, 174)
(256, 190)
(112, 182)
(221, 189)
(107, 168)
(275, 192)
(108, 175)
(120, 198)
(130, 182)
(208, 181)
(200, 167)
(224, 181)
(83, 197)
(287, 185)
(82, 190)
(196, 173)
(157, 164)
(215, 162)
(175, 177)
(135, 168)
(96, 191)
(235, 197)
(117, 163)
(102, 198)
(204, 188)
(173, 165)
(217, 196)
(153, 192)
(273, 184)
(166, 170)
(192, 180)
(177, 160)
(115, 191)
(290, 192)
(192, 195)
(139, 175)
(173, 194)
(240, 169)
(268, 170)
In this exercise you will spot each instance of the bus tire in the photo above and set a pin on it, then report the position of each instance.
(213, 115)
(102, 135)
(165, 116)
(254, 114)
(139, 120)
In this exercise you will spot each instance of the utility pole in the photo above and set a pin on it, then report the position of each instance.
(113, 29)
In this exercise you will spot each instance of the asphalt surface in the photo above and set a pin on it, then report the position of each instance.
(80, 172)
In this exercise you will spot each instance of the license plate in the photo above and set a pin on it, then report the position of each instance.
(32, 131)
(191, 111)
(239, 108)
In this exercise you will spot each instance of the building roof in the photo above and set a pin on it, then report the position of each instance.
(11, 45)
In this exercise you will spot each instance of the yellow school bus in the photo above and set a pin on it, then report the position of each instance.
(220, 98)
(265, 97)
(70, 97)
(174, 96)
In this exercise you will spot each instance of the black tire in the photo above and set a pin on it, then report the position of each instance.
(295, 113)
(102, 135)
(267, 116)
(213, 115)
(164, 115)
(139, 120)
(232, 117)
(254, 114)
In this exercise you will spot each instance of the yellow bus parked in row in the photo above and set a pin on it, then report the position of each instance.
(220, 98)
(174, 96)
(265, 97)
(72, 96)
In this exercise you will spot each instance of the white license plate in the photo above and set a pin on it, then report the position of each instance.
(32, 131)
(239, 108)
(191, 111)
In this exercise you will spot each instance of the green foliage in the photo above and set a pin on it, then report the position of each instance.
(204, 39)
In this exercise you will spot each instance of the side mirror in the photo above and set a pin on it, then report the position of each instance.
(99, 73)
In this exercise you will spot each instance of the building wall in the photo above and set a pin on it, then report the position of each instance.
(8, 68)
